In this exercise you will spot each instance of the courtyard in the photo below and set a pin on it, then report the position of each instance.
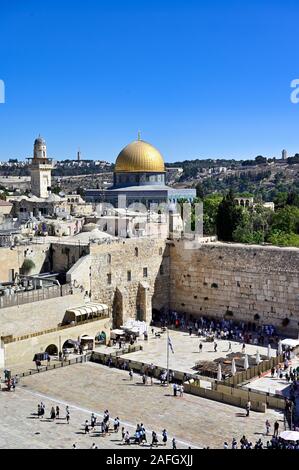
(195, 422)
(186, 350)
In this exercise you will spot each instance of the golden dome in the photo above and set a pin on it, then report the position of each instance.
(139, 157)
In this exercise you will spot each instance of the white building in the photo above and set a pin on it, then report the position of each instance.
(40, 168)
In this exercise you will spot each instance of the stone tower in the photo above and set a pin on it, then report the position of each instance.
(40, 168)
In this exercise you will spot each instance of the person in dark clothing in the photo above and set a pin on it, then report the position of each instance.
(276, 427)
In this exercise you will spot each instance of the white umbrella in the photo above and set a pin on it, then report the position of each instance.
(279, 349)
(219, 373)
(289, 435)
(257, 357)
(246, 363)
(269, 351)
(234, 370)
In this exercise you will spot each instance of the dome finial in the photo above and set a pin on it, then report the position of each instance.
(139, 135)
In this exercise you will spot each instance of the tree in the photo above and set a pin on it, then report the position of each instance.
(286, 220)
(293, 199)
(229, 216)
(199, 191)
(210, 211)
(260, 160)
(283, 239)
(56, 190)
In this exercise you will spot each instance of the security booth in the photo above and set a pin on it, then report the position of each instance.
(87, 343)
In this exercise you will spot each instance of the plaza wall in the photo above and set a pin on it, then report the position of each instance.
(23, 351)
(217, 279)
(37, 316)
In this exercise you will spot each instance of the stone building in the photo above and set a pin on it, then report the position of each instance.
(40, 168)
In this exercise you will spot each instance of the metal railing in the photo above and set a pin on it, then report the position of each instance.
(36, 295)
(57, 365)
(12, 339)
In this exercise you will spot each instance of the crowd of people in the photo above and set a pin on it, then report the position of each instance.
(275, 442)
(9, 381)
(245, 332)
(105, 427)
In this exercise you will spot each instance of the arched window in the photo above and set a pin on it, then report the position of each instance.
(136, 252)
(109, 259)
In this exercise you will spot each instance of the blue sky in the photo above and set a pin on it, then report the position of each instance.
(200, 79)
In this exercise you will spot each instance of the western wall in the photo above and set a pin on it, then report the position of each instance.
(243, 282)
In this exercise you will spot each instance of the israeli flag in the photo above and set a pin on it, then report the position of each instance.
(170, 345)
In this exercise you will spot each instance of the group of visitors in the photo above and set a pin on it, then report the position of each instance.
(274, 443)
(139, 437)
(54, 412)
(10, 382)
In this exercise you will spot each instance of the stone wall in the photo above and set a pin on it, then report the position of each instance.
(131, 298)
(65, 254)
(243, 280)
(22, 352)
(11, 260)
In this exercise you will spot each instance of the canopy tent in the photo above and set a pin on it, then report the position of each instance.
(279, 348)
(135, 326)
(219, 373)
(290, 342)
(89, 310)
(289, 435)
(269, 351)
(257, 357)
(73, 342)
(117, 332)
(86, 338)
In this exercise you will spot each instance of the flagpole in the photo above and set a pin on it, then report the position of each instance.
(167, 357)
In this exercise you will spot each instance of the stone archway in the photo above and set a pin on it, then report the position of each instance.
(52, 350)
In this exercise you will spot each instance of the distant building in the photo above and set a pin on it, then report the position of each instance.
(40, 168)
(284, 154)
(139, 175)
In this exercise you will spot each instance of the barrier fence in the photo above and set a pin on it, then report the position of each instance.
(36, 295)
(57, 365)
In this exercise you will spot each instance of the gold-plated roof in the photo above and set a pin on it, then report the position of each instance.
(138, 157)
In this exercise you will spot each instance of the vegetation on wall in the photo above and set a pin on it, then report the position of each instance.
(27, 266)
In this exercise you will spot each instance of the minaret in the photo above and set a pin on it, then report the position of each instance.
(40, 169)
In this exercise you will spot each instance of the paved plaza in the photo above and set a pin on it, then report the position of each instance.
(186, 351)
(273, 384)
(90, 387)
